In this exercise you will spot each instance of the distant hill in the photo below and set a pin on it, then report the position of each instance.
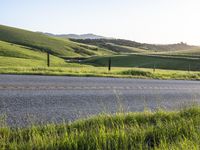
(120, 45)
(77, 36)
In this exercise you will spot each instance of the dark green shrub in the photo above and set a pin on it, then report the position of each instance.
(137, 73)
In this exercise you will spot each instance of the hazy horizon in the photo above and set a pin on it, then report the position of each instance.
(158, 21)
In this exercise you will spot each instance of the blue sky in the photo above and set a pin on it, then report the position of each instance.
(151, 21)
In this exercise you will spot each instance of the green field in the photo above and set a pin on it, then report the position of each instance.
(148, 61)
(160, 130)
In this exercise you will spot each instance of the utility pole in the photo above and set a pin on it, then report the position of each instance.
(109, 64)
(48, 59)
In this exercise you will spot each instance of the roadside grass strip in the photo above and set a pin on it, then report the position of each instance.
(157, 130)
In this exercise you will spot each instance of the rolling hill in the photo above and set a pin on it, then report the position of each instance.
(56, 46)
(120, 45)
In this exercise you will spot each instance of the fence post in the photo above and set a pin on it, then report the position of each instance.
(154, 68)
(48, 60)
(109, 64)
(189, 68)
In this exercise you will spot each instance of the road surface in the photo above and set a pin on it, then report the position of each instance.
(39, 99)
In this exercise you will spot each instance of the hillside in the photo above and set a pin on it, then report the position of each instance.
(62, 47)
(148, 61)
(40, 42)
(21, 56)
(117, 44)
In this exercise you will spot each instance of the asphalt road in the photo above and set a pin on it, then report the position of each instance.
(40, 99)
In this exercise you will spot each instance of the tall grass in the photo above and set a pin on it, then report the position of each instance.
(146, 130)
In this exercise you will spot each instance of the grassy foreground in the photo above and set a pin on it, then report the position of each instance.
(90, 71)
(147, 130)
